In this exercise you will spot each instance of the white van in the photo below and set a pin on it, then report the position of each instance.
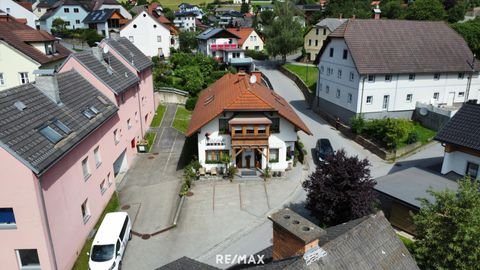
(110, 242)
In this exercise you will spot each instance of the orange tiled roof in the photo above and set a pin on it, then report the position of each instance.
(243, 33)
(234, 92)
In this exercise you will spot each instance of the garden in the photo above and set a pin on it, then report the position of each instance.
(308, 74)
(391, 133)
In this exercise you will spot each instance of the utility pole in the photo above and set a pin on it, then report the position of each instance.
(469, 81)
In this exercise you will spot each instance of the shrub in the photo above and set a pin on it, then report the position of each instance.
(412, 137)
(183, 190)
(231, 171)
(190, 104)
(357, 124)
(390, 132)
(257, 55)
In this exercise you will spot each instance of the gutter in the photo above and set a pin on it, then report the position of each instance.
(47, 224)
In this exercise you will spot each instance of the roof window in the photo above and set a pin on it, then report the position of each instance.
(62, 126)
(51, 134)
(88, 113)
(20, 105)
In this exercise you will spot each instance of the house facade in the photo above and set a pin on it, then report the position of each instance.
(367, 67)
(239, 118)
(23, 50)
(107, 22)
(70, 11)
(58, 176)
(111, 4)
(313, 40)
(18, 11)
(461, 142)
(149, 35)
(189, 8)
(249, 38)
(185, 21)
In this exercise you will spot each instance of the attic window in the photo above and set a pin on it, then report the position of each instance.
(51, 134)
(88, 113)
(102, 99)
(62, 126)
(209, 99)
(20, 105)
(94, 110)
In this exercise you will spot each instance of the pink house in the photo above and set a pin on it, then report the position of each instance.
(63, 139)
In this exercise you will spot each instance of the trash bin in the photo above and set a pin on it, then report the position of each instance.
(142, 147)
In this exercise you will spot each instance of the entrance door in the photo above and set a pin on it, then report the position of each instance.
(248, 158)
(238, 160)
(450, 98)
(258, 159)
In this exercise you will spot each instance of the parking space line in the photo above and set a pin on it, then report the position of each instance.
(171, 150)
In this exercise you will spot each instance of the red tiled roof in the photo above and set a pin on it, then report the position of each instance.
(243, 33)
(26, 5)
(234, 92)
(18, 35)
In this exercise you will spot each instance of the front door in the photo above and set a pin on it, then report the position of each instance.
(247, 160)
(450, 98)
(238, 160)
(258, 159)
(386, 99)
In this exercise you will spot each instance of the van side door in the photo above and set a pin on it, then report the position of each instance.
(118, 251)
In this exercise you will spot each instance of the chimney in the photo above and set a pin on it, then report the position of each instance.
(46, 81)
(376, 13)
(340, 16)
(293, 235)
(258, 75)
(97, 52)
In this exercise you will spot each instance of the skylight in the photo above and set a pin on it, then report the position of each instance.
(62, 126)
(20, 105)
(94, 110)
(102, 99)
(88, 113)
(51, 134)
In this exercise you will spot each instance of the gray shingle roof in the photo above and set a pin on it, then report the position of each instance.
(19, 133)
(185, 263)
(464, 127)
(410, 184)
(330, 23)
(98, 16)
(119, 78)
(216, 32)
(130, 53)
(401, 46)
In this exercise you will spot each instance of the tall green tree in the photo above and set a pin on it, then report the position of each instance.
(470, 31)
(341, 189)
(284, 34)
(426, 10)
(244, 8)
(393, 9)
(188, 41)
(448, 229)
(348, 8)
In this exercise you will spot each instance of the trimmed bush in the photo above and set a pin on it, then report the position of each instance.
(190, 104)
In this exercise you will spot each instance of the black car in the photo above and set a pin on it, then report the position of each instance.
(324, 149)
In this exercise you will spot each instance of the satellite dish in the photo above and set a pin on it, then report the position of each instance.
(253, 79)
(105, 49)
(423, 111)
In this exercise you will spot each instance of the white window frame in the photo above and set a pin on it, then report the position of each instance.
(409, 98)
(86, 169)
(6, 226)
(159, 38)
(273, 150)
(87, 214)
(2, 79)
(369, 100)
(23, 80)
(29, 267)
(98, 157)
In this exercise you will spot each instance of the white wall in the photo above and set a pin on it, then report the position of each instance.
(11, 63)
(422, 87)
(252, 41)
(457, 162)
(185, 23)
(282, 140)
(145, 35)
(18, 11)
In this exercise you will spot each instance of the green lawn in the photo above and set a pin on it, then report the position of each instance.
(182, 119)
(157, 119)
(302, 72)
(82, 260)
(173, 4)
(150, 137)
(424, 134)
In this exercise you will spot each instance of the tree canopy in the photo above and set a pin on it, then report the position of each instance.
(426, 10)
(284, 34)
(188, 41)
(448, 230)
(341, 189)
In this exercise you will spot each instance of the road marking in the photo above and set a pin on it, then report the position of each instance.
(240, 196)
(266, 195)
(213, 198)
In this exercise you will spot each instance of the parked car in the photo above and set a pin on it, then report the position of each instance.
(323, 149)
(110, 242)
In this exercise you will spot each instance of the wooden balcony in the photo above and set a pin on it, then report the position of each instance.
(217, 47)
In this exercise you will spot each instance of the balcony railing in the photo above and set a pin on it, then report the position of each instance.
(215, 47)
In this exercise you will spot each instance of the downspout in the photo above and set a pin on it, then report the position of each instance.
(469, 81)
(49, 234)
(363, 87)
(140, 111)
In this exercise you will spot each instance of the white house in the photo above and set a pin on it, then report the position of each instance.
(460, 137)
(14, 9)
(23, 50)
(381, 68)
(185, 21)
(70, 11)
(222, 45)
(149, 35)
(242, 119)
(111, 4)
(249, 38)
(189, 8)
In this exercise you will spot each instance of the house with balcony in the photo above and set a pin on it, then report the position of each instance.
(239, 118)
(70, 11)
(382, 68)
(313, 40)
(107, 22)
(24, 49)
(249, 38)
(56, 140)
(222, 45)
(185, 21)
(150, 35)
(130, 90)
(19, 12)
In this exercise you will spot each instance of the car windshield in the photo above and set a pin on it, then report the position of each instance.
(102, 253)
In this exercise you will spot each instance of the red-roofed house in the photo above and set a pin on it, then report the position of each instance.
(23, 50)
(239, 117)
(19, 10)
(249, 38)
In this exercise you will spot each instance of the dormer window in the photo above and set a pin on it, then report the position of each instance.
(49, 48)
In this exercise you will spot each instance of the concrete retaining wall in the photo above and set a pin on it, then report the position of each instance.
(432, 120)
(170, 95)
(301, 85)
